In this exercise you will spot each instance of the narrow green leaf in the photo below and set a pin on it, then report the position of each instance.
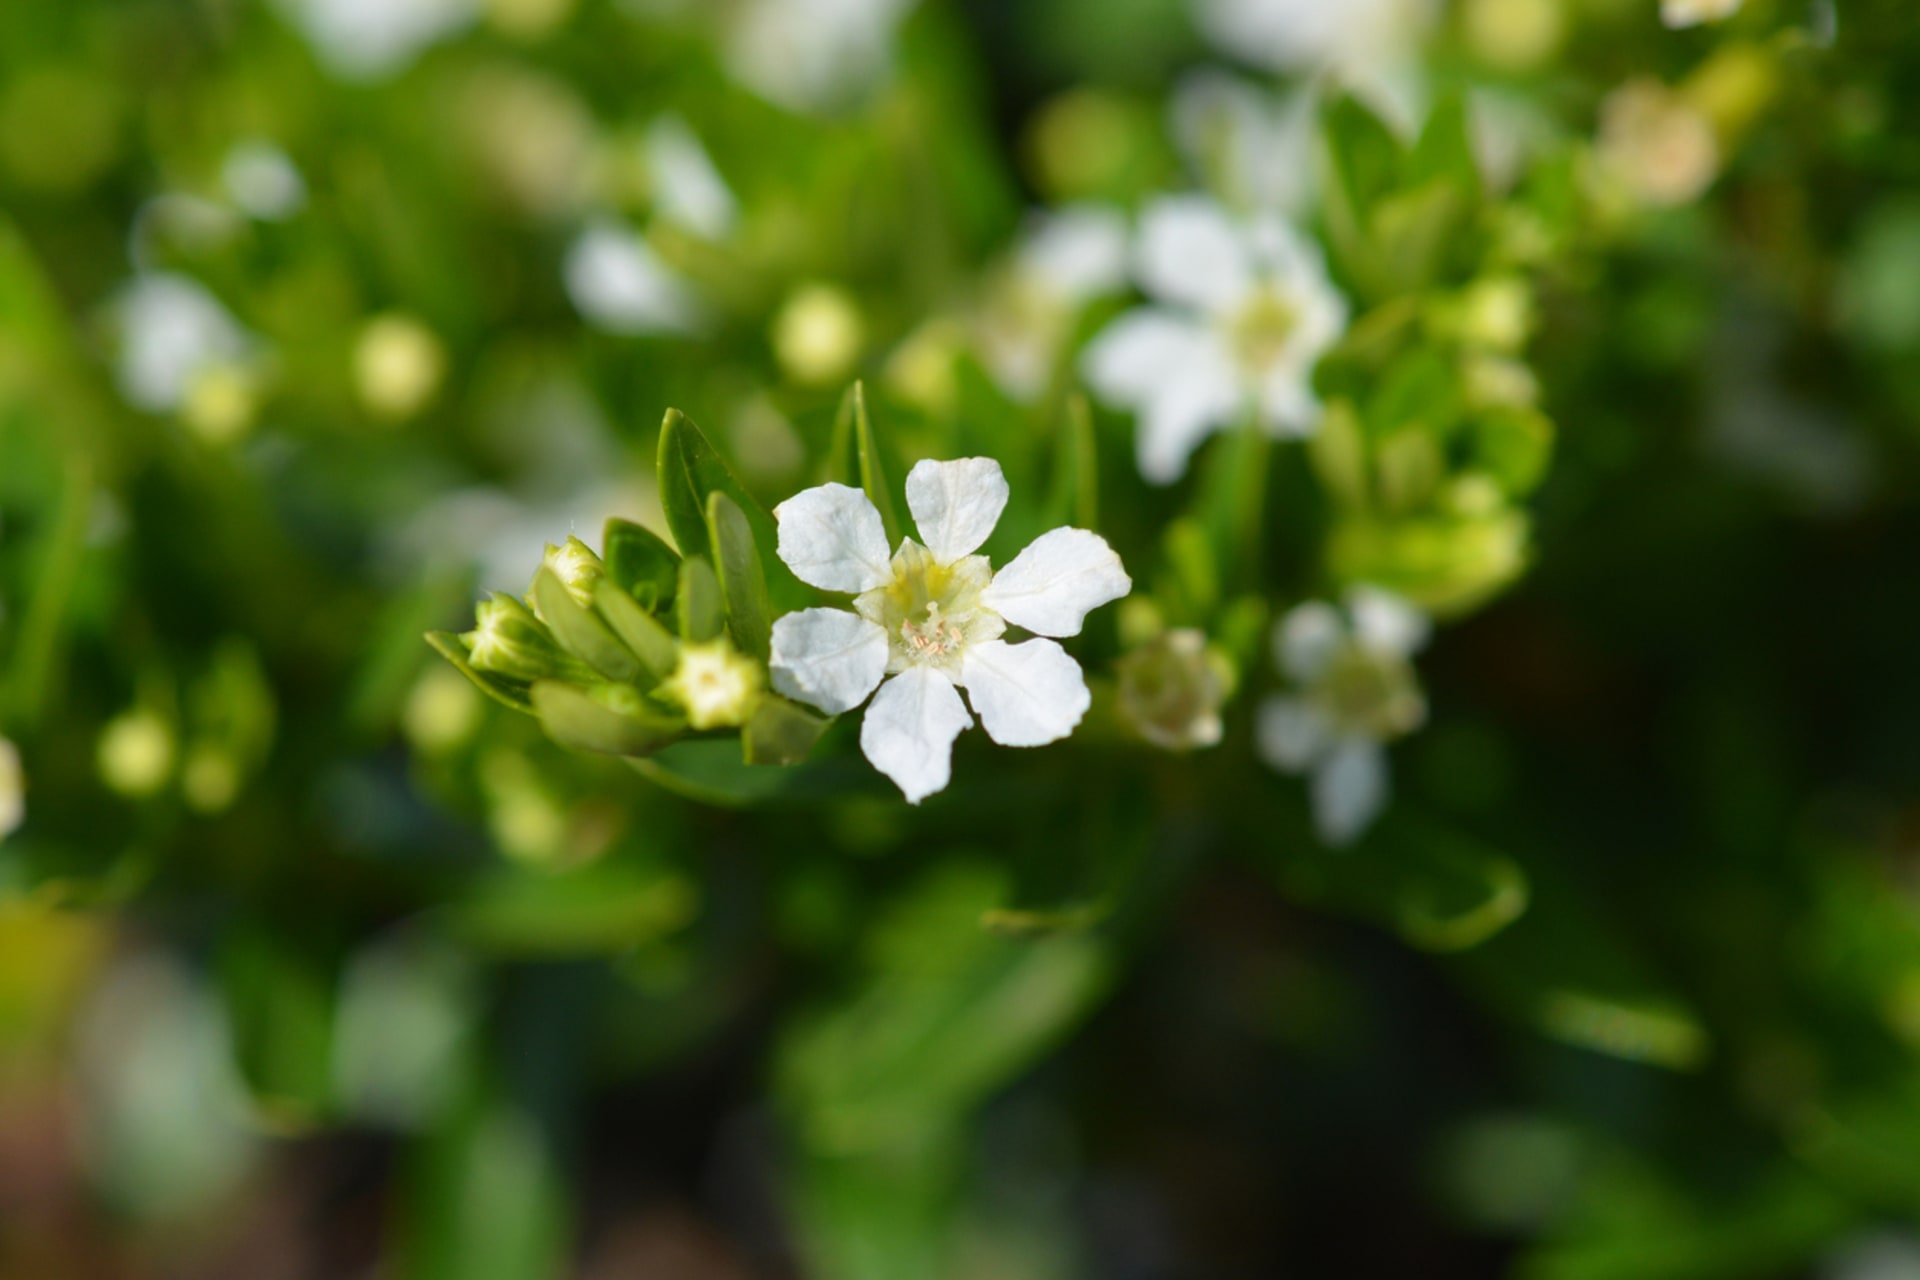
(743, 581)
(641, 562)
(1076, 474)
(702, 612)
(643, 633)
(610, 719)
(1232, 501)
(781, 732)
(711, 771)
(873, 476)
(690, 469)
(449, 647)
(580, 631)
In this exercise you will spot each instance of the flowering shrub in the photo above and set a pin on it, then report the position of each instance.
(1425, 485)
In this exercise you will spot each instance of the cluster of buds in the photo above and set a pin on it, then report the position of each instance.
(634, 648)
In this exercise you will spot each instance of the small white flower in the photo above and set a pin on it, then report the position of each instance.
(1692, 13)
(263, 181)
(1356, 692)
(813, 55)
(1368, 46)
(172, 334)
(1248, 311)
(1066, 258)
(931, 617)
(620, 284)
(687, 189)
(1252, 146)
(368, 39)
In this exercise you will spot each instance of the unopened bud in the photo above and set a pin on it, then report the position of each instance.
(818, 335)
(715, 684)
(577, 567)
(509, 641)
(1172, 689)
(136, 753)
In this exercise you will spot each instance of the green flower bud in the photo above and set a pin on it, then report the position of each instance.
(509, 641)
(577, 567)
(715, 684)
(1172, 689)
(136, 752)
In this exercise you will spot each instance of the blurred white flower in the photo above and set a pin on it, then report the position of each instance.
(1368, 46)
(262, 181)
(1065, 258)
(813, 55)
(367, 39)
(13, 790)
(618, 283)
(1656, 145)
(173, 333)
(1355, 692)
(931, 617)
(1252, 146)
(1248, 313)
(687, 189)
(1692, 13)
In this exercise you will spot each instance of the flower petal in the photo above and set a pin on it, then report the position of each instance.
(1026, 694)
(1306, 638)
(1291, 733)
(829, 658)
(1079, 251)
(1349, 789)
(1386, 623)
(1139, 351)
(1203, 397)
(909, 730)
(1192, 253)
(1051, 586)
(832, 538)
(956, 504)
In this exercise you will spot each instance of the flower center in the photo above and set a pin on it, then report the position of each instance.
(1371, 694)
(1262, 329)
(930, 611)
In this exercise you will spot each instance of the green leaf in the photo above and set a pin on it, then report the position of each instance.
(639, 630)
(743, 582)
(1232, 500)
(1444, 150)
(711, 771)
(702, 611)
(602, 909)
(580, 631)
(690, 469)
(641, 563)
(281, 1001)
(866, 462)
(1076, 470)
(450, 648)
(781, 732)
(487, 1199)
(610, 719)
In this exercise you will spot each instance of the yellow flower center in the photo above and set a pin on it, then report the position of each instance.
(1261, 330)
(931, 611)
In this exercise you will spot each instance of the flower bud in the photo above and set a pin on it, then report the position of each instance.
(718, 686)
(136, 752)
(1172, 689)
(13, 790)
(509, 641)
(397, 367)
(818, 335)
(577, 567)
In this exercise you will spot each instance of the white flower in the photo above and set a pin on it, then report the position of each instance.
(367, 39)
(687, 189)
(620, 284)
(172, 334)
(1252, 146)
(813, 55)
(263, 181)
(1248, 312)
(1066, 258)
(1368, 46)
(931, 617)
(1656, 144)
(1691, 13)
(1357, 692)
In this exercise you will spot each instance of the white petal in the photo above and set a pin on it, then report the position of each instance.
(909, 730)
(1288, 406)
(832, 538)
(1140, 350)
(1050, 587)
(687, 189)
(955, 504)
(1025, 694)
(1386, 623)
(1079, 252)
(1291, 733)
(1349, 789)
(1306, 638)
(1192, 253)
(620, 284)
(1201, 399)
(829, 658)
